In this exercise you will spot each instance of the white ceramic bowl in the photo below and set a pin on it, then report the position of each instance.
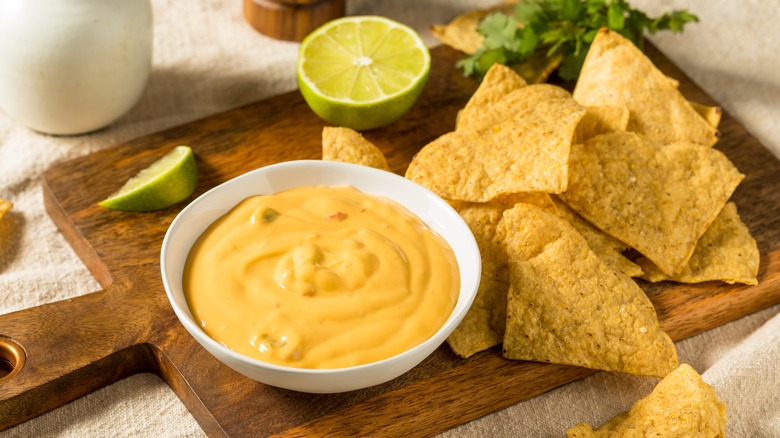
(435, 212)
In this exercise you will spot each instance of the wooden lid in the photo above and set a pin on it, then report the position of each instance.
(290, 20)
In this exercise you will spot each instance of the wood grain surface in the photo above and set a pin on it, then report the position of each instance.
(79, 345)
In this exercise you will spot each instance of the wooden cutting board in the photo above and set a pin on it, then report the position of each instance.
(79, 345)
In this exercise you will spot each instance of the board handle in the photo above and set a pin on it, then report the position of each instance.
(53, 354)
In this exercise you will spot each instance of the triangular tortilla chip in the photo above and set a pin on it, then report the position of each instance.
(566, 306)
(346, 145)
(484, 324)
(657, 199)
(601, 120)
(726, 252)
(499, 81)
(681, 405)
(527, 152)
(533, 102)
(609, 249)
(537, 67)
(617, 73)
(461, 33)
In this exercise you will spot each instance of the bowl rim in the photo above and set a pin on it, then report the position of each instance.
(456, 315)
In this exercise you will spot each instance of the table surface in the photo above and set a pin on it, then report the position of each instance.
(207, 59)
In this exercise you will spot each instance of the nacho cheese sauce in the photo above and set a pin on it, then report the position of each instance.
(320, 277)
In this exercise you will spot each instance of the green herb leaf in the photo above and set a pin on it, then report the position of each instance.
(615, 18)
(565, 27)
(527, 11)
(499, 31)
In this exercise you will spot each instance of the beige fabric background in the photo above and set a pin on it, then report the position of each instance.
(207, 59)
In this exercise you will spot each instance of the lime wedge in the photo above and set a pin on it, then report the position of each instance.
(169, 180)
(362, 72)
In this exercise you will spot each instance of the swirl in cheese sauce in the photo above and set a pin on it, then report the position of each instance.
(320, 277)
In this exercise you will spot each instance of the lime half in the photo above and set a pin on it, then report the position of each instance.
(169, 180)
(362, 72)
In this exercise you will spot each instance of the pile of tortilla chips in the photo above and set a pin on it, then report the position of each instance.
(559, 188)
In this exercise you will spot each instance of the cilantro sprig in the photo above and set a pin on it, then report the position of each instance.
(562, 27)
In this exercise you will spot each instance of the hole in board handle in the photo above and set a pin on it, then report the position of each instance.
(12, 358)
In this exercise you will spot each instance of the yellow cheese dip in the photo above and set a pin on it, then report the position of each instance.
(320, 277)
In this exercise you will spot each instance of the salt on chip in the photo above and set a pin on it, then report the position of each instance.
(681, 405)
(5, 206)
(609, 249)
(657, 199)
(498, 82)
(566, 306)
(726, 252)
(617, 73)
(349, 146)
(527, 152)
(601, 120)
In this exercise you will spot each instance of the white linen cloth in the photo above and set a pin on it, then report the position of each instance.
(207, 59)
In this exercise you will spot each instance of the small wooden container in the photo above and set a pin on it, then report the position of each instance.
(291, 20)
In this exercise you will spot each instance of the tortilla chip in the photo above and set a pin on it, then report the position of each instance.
(503, 203)
(461, 33)
(712, 114)
(5, 206)
(657, 199)
(348, 146)
(484, 324)
(609, 249)
(538, 66)
(726, 252)
(527, 152)
(601, 120)
(566, 306)
(681, 405)
(499, 81)
(611, 76)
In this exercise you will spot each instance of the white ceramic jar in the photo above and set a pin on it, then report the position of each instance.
(73, 66)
